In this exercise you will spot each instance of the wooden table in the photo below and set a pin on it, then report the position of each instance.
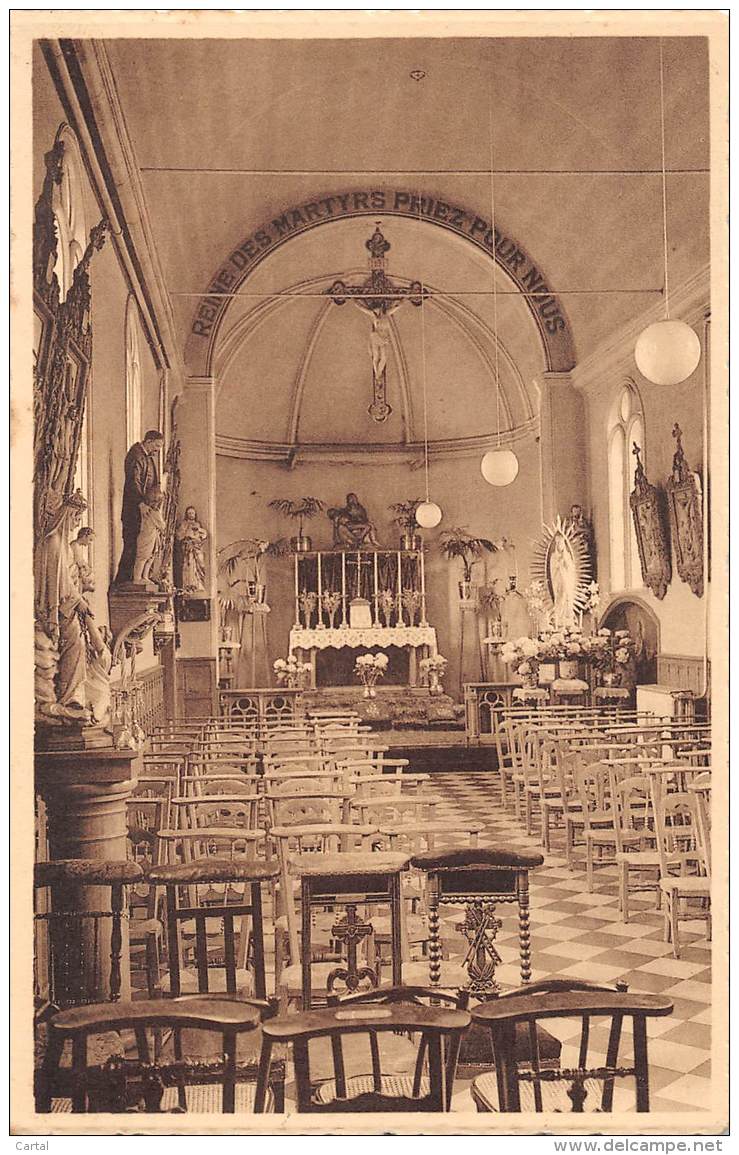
(352, 879)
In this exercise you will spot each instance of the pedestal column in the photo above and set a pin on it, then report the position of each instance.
(197, 657)
(85, 794)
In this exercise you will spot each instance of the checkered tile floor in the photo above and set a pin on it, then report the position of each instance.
(574, 933)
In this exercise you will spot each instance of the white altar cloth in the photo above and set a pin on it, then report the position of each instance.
(383, 636)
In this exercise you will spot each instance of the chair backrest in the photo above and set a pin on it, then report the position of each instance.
(632, 805)
(674, 822)
(394, 808)
(593, 789)
(216, 903)
(122, 1084)
(225, 781)
(69, 931)
(306, 807)
(525, 1084)
(700, 793)
(217, 810)
(437, 1031)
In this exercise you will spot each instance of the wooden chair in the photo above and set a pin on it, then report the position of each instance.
(145, 818)
(69, 931)
(700, 791)
(680, 858)
(438, 1029)
(525, 1085)
(599, 826)
(218, 929)
(122, 1083)
(636, 850)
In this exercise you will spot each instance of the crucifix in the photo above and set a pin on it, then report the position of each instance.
(380, 297)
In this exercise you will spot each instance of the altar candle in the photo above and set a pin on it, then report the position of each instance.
(423, 588)
(377, 597)
(401, 622)
(320, 607)
(343, 589)
(297, 592)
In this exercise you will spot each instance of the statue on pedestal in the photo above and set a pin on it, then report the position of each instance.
(152, 528)
(190, 536)
(142, 476)
(352, 527)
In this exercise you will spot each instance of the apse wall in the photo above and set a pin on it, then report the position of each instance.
(245, 487)
(106, 404)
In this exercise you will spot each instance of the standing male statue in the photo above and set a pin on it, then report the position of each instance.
(142, 475)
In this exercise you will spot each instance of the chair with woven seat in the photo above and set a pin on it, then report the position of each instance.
(222, 973)
(521, 1083)
(438, 1029)
(122, 1084)
(74, 918)
(636, 850)
(682, 867)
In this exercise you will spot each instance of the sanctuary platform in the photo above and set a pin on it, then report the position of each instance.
(393, 707)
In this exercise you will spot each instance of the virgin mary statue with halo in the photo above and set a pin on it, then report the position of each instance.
(562, 581)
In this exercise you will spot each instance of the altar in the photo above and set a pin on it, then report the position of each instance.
(361, 600)
(307, 644)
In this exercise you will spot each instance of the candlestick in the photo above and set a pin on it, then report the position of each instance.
(343, 589)
(377, 596)
(401, 620)
(320, 606)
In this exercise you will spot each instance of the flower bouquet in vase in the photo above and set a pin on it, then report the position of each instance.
(291, 673)
(307, 602)
(433, 668)
(368, 668)
(610, 653)
(411, 600)
(331, 600)
(523, 656)
(387, 602)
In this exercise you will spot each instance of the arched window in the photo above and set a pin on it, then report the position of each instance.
(133, 375)
(626, 426)
(69, 212)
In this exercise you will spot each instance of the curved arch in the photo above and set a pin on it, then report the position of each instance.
(549, 316)
(474, 328)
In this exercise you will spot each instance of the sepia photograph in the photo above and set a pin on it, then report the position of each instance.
(369, 411)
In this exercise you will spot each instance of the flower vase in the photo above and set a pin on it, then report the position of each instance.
(369, 691)
(610, 678)
(434, 683)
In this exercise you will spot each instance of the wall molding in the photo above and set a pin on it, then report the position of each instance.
(362, 454)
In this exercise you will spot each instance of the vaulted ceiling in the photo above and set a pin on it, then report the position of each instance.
(228, 133)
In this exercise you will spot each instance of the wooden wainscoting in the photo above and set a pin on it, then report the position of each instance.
(681, 671)
(197, 689)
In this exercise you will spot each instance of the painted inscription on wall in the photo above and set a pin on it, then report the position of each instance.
(398, 202)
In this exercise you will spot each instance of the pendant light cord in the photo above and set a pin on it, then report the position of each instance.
(423, 369)
(664, 176)
(495, 284)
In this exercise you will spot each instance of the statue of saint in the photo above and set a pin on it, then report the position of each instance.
(190, 536)
(142, 475)
(151, 529)
(79, 548)
(563, 582)
(352, 527)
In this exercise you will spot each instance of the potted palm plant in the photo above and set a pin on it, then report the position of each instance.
(459, 542)
(300, 510)
(405, 519)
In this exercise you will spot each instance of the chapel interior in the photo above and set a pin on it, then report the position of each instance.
(371, 400)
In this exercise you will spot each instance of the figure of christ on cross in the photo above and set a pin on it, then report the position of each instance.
(379, 297)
